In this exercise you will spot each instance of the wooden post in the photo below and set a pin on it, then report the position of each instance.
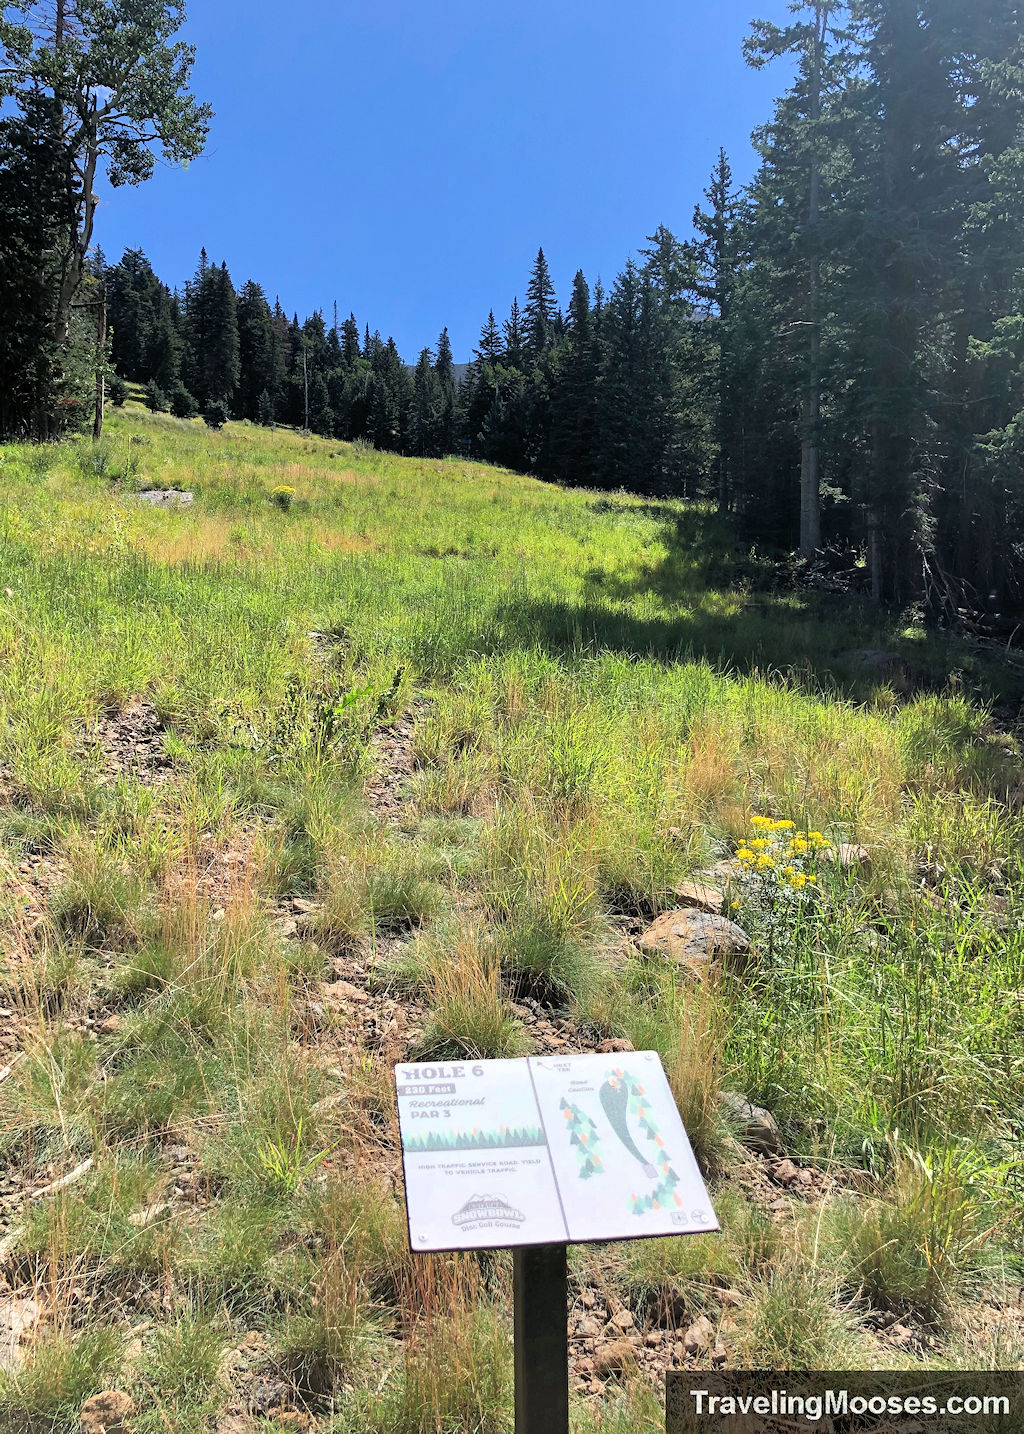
(540, 1286)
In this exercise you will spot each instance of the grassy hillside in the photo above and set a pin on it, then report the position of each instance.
(401, 762)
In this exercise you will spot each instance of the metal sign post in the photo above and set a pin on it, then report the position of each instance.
(540, 1287)
(534, 1154)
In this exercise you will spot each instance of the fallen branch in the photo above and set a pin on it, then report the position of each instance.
(65, 1180)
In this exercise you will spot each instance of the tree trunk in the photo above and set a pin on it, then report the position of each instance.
(101, 358)
(810, 461)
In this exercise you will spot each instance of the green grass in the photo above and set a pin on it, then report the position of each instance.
(602, 692)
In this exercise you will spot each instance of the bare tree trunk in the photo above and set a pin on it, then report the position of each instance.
(83, 218)
(810, 458)
(874, 556)
(101, 359)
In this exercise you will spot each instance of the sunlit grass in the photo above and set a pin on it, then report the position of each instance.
(600, 695)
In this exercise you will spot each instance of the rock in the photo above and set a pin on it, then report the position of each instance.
(107, 1413)
(695, 938)
(613, 1046)
(589, 1328)
(729, 1299)
(851, 854)
(785, 1172)
(588, 1299)
(613, 1358)
(702, 897)
(755, 1127)
(622, 1319)
(719, 1354)
(341, 993)
(885, 664)
(109, 1026)
(142, 1219)
(167, 497)
(700, 1337)
(17, 1316)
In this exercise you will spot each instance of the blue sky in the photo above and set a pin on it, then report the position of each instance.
(407, 157)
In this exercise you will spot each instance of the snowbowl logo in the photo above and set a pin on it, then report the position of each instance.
(484, 1212)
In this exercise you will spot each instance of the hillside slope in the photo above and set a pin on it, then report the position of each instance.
(405, 760)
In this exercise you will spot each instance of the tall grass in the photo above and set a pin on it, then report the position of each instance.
(599, 710)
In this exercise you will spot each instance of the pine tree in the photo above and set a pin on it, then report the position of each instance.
(321, 417)
(444, 370)
(513, 332)
(426, 408)
(717, 259)
(540, 313)
(350, 352)
(575, 404)
(35, 204)
(258, 353)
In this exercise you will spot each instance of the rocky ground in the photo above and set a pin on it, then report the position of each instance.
(346, 1015)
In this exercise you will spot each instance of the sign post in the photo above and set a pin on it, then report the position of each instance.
(535, 1154)
(540, 1292)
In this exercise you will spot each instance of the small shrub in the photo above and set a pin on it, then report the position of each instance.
(156, 399)
(117, 391)
(794, 1321)
(183, 405)
(183, 1362)
(60, 1372)
(471, 1016)
(317, 1348)
(99, 899)
(216, 413)
(911, 1253)
(283, 497)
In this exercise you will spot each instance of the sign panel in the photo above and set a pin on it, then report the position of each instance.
(545, 1150)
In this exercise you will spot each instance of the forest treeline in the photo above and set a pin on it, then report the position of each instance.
(834, 355)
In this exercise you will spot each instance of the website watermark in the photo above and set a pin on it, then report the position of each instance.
(882, 1402)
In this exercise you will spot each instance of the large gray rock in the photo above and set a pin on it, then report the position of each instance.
(167, 497)
(695, 938)
(754, 1126)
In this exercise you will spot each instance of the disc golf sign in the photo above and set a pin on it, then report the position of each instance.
(536, 1154)
(545, 1150)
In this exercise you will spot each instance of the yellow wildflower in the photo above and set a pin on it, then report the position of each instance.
(744, 854)
(783, 826)
(763, 824)
(764, 861)
(759, 844)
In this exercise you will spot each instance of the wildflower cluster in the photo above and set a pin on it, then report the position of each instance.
(781, 853)
(283, 496)
(777, 873)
